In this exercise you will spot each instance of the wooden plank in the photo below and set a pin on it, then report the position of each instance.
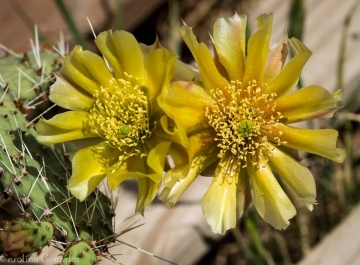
(340, 246)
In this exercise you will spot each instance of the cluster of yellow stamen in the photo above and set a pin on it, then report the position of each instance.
(242, 117)
(119, 114)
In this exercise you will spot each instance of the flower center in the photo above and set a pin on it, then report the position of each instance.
(125, 130)
(119, 114)
(245, 127)
(242, 117)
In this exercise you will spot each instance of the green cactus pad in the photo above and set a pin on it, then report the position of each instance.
(26, 77)
(25, 237)
(79, 253)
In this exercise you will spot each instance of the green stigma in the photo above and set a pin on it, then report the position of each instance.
(125, 129)
(245, 128)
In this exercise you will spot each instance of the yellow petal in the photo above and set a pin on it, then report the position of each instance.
(289, 75)
(159, 76)
(174, 175)
(270, 200)
(180, 105)
(64, 127)
(132, 168)
(122, 52)
(136, 167)
(181, 166)
(275, 60)
(243, 196)
(202, 143)
(321, 142)
(297, 176)
(210, 76)
(185, 72)
(258, 46)
(291, 152)
(170, 195)
(307, 103)
(86, 142)
(156, 159)
(146, 49)
(87, 174)
(65, 95)
(221, 69)
(220, 201)
(178, 154)
(176, 184)
(229, 39)
(187, 174)
(147, 190)
(168, 131)
(118, 177)
(86, 69)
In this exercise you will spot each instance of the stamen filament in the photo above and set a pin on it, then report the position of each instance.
(119, 114)
(242, 117)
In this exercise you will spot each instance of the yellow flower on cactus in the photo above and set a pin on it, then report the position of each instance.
(236, 112)
(114, 115)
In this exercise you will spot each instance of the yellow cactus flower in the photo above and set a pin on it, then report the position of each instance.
(236, 112)
(114, 115)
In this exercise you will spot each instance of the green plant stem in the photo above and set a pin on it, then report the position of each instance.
(347, 166)
(119, 16)
(174, 18)
(341, 60)
(296, 23)
(296, 19)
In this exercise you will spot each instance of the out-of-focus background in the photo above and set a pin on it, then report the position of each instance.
(330, 28)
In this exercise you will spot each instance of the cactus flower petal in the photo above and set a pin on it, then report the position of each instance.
(275, 60)
(82, 74)
(123, 53)
(321, 142)
(307, 103)
(180, 100)
(208, 71)
(297, 176)
(270, 200)
(161, 74)
(289, 75)
(229, 40)
(87, 174)
(69, 98)
(64, 127)
(219, 202)
(258, 47)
